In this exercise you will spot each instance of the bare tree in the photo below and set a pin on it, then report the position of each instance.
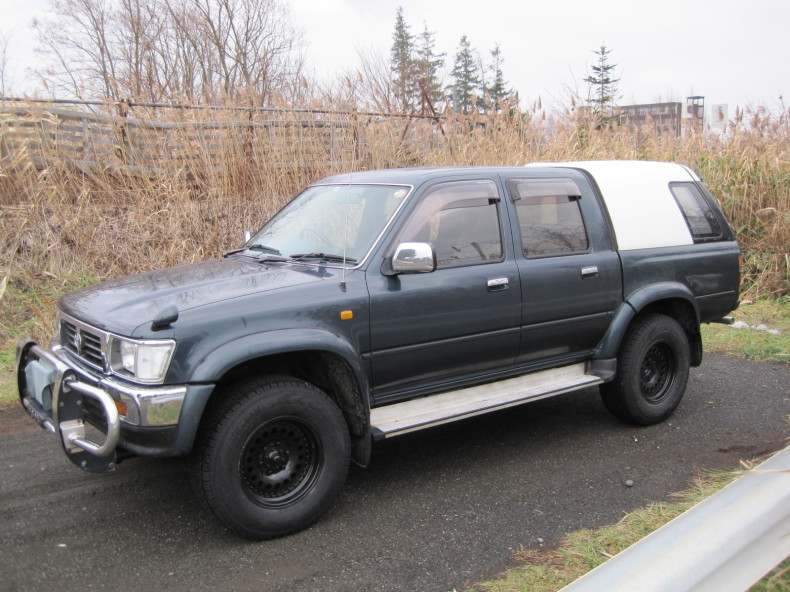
(376, 86)
(207, 50)
(75, 38)
(366, 87)
(6, 74)
(137, 27)
(259, 47)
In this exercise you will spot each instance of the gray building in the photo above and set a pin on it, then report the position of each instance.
(669, 118)
(663, 118)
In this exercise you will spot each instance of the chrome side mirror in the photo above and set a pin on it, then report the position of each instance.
(414, 258)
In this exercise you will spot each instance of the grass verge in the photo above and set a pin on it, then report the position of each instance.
(754, 342)
(584, 550)
(8, 394)
(28, 304)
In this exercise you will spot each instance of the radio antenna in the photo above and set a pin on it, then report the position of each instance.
(345, 235)
(348, 206)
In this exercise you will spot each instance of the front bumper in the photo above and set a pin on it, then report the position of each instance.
(61, 397)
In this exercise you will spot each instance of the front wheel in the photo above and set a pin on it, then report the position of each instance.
(652, 371)
(273, 458)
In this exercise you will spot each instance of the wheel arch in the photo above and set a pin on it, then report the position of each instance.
(672, 299)
(318, 357)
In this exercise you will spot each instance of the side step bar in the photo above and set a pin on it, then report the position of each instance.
(425, 412)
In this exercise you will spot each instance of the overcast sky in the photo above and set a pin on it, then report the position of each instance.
(731, 52)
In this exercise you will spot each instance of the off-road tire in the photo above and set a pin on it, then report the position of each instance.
(272, 457)
(652, 371)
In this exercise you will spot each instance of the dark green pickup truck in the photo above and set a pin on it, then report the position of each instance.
(382, 302)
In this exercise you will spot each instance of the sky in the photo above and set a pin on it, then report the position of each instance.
(731, 52)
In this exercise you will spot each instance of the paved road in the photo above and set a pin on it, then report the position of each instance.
(437, 509)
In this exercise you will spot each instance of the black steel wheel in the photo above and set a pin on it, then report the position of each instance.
(657, 373)
(280, 462)
(652, 371)
(272, 457)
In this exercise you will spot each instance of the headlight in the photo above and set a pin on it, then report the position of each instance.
(141, 360)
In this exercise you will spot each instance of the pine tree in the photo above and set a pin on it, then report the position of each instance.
(402, 64)
(428, 64)
(603, 88)
(498, 92)
(465, 78)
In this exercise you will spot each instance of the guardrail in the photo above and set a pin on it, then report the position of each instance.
(724, 544)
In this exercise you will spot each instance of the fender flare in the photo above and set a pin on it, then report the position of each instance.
(633, 305)
(215, 363)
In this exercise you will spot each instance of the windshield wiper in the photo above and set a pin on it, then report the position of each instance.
(234, 251)
(260, 247)
(269, 254)
(324, 257)
(255, 247)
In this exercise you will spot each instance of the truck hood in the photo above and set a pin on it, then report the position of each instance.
(123, 304)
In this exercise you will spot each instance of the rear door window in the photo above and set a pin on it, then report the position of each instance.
(549, 216)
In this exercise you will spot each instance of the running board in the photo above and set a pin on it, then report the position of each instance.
(425, 412)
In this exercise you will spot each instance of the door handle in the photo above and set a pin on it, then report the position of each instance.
(498, 284)
(589, 272)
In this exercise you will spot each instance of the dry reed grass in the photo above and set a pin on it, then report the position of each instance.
(71, 221)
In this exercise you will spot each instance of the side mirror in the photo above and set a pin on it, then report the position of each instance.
(414, 258)
(247, 236)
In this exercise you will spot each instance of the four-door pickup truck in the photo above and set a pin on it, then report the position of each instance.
(382, 302)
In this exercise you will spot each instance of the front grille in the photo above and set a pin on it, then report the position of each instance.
(84, 342)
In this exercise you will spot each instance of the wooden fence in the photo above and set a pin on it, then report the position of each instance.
(40, 136)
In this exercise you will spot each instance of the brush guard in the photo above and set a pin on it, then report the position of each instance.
(52, 394)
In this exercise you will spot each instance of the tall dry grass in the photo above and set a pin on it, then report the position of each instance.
(182, 197)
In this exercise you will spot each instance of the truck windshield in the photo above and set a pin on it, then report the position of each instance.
(344, 220)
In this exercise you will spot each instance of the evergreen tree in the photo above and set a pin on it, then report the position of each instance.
(498, 92)
(603, 87)
(428, 65)
(465, 78)
(403, 65)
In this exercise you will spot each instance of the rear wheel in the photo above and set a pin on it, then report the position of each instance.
(273, 458)
(652, 371)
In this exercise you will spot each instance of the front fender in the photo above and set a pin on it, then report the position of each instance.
(217, 362)
(633, 305)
